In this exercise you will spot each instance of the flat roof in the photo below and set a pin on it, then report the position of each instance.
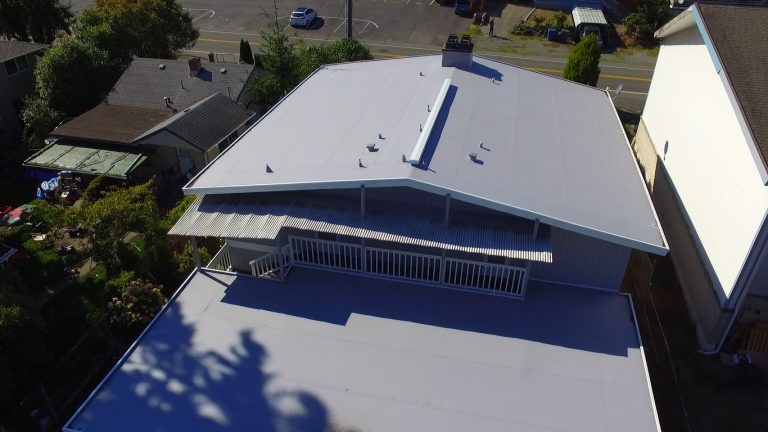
(62, 156)
(551, 149)
(329, 351)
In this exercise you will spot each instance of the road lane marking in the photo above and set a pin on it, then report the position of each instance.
(339, 26)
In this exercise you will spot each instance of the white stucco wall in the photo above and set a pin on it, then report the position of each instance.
(708, 157)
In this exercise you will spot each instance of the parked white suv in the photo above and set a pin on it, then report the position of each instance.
(303, 17)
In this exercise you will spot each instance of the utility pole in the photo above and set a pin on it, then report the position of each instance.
(349, 19)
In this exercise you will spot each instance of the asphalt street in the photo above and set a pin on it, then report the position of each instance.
(390, 28)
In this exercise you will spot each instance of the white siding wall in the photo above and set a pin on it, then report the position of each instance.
(708, 158)
(582, 260)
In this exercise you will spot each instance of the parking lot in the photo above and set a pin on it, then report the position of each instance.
(416, 22)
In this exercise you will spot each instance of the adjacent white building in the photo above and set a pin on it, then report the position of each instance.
(703, 144)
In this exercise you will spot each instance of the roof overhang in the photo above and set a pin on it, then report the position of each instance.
(263, 218)
(117, 163)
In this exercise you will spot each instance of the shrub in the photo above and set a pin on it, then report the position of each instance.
(137, 304)
(583, 64)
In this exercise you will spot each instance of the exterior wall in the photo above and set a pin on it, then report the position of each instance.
(582, 260)
(702, 300)
(759, 285)
(692, 125)
(11, 88)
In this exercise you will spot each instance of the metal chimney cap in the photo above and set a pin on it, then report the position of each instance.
(473, 156)
(371, 147)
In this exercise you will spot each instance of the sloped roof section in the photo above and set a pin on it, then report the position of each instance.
(13, 49)
(730, 28)
(111, 124)
(545, 148)
(205, 123)
(148, 81)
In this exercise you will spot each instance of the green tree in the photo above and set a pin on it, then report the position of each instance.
(279, 62)
(142, 28)
(646, 19)
(138, 303)
(33, 20)
(583, 64)
(343, 50)
(246, 55)
(118, 211)
(22, 334)
(71, 78)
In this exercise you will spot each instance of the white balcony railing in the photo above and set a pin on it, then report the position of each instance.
(222, 260)
(393, 264)
(273, 265)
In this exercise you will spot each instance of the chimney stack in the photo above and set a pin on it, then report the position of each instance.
(195, 64)
(458, 53)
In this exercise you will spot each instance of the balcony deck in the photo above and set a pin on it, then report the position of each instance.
(330, 351)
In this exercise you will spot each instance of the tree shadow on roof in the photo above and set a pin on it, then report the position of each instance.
(582, 319)
(174, 387)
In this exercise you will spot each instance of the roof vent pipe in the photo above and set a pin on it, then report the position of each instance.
(473, 156)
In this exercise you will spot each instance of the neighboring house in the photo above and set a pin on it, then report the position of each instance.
(166, 117)
(18, 60)
(703, 143)
(441, 250)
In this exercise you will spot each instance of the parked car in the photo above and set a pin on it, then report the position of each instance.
(303, 17)
(463, 7)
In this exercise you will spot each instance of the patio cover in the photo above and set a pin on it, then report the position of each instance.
(116, 163)
(588, 15)
(262, 218)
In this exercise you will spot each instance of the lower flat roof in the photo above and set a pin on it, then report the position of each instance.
(329, 351)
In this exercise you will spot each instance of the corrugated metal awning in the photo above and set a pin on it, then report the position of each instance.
(588, 15)
(264, 218)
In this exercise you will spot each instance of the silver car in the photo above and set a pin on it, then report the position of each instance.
(303, 17)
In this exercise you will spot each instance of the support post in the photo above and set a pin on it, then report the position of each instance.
(195, 252)
(349, 19)
(442, 267)
(525, 279)
(535, 228)
(280, 260)
(362, 201)
(363, 260)
(447, 210)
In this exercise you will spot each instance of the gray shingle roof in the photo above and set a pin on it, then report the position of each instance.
(144, 84)
(205, 123)
(12, 49)
(731, 29)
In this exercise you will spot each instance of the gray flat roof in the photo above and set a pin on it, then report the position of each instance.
(329, 351)
(551, 149)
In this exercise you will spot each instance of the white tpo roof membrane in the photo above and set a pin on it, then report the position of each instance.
(551, 149)
(328, 351)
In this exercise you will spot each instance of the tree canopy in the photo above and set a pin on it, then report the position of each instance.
(343, 50)
(583, 64)
(142, 28)
(71, 78)
(649, 16)
(33, 20)
(286, 61)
